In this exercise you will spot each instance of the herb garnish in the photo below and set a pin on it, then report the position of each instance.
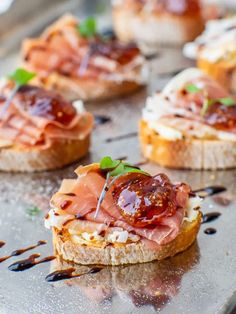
(88, 27)
(32, 211)
(191, 88)
(226, 101)
(20, 77)
(114, 169)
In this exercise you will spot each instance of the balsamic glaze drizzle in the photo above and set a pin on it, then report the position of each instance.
(210, 217)
(21, 251)
(210, 231)
(2, 243)
(68, 274)
(210, 190)
(101, 119)
(121, 137)
(29, 262)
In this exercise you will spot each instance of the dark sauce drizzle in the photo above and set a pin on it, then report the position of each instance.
(210, 217)
(210, 231)
(2, 243)
(21, 251)
(121, 137)
(68, 274)
(101, 119)
(29, 262)
(210, 190)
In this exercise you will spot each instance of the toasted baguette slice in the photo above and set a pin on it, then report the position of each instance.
(152, 30)
(59, 154)
(125, 253)
(188, 153)
(89, 89)
(222, 71)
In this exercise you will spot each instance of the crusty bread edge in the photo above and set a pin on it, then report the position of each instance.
(187, 28)
(57, 155)
(125, 254)
(188, 153)
(223, 72)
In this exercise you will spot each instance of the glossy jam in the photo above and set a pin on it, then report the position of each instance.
(221, 117)
(144, 200)
(47, 104)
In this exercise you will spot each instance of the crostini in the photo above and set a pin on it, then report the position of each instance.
(72, 58)
(215, 31)
(39, 129)
(152, 23)
(190, 124)
(115, 213)
(218, 59)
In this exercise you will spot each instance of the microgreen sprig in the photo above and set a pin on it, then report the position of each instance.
(226, 101)
(114, 169)
(32, 211)
(88, 27)
(20, 77)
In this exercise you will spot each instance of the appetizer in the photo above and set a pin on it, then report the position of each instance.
(215, 31)
(151, 23)
(115, 213)
(218, 57)
(190, 124)
(71, 57)
(40, 130)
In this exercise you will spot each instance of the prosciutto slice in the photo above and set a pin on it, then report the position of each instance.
(38, 117)
(82, 196)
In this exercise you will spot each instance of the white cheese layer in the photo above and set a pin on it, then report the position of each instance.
(159, 106)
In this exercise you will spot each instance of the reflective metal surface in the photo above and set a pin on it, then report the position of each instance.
(200, 280)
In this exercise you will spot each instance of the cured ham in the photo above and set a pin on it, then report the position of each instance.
(79, 197)
(200, 112)
(64, 50)
(36, 117)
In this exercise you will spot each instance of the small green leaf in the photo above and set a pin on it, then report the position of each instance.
(21, 76)
(131, 169)
(88, 27)
(118, 170)
(191, 88)
(227, 101)
(32, 211)
(107, 163)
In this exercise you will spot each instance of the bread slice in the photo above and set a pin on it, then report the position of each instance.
(124, 253)
(151, 30)
(88, 89)
(29, 159)
(187, 153)
(224, 72)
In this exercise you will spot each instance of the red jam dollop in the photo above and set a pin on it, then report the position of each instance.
(144, 200)
(46, 104)
(221, 116)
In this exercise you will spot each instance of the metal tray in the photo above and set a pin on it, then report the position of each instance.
(200, 280)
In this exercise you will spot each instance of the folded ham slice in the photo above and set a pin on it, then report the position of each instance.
(79, 197)
(62, 49)
(38, 117)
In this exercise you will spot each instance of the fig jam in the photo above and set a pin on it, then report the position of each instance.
(221, 116)
(46, 104)
(144, 200)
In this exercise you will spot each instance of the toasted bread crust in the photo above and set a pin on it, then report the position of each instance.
(188, 153)
(223, 72)
(59, 154)
(175, 30)
(127, 253)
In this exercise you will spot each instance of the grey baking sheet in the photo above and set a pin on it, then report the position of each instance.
(201, 280)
